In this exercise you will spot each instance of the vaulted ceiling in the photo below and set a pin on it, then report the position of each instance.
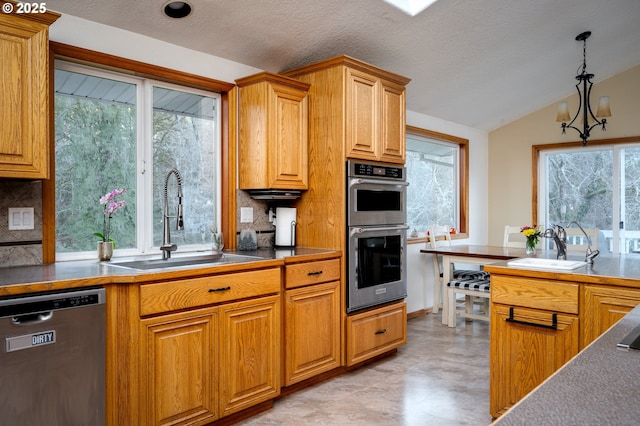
(478, 63)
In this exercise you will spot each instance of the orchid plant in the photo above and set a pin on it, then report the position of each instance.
(111, 206)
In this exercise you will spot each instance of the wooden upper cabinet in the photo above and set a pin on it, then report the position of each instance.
(273, 134)
(24, 94)
(376, 120)
(365, 103)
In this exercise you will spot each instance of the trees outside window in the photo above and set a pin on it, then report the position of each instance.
(436, 172)
(598, 187)
(115, 131)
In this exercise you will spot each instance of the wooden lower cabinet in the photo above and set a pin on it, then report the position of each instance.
(249, 353)
(312, 331)
(602, 307)
(526, 352)
(178, 363)
(375, 332)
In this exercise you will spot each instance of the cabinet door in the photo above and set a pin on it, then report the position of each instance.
(524, 355)
(249, 353)
(24, 98)
(177, 368)
(362, 121)
(288, 124)
(604, 306)
(312, 331)
(392, 123)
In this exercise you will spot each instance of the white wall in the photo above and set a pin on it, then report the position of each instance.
(90, 35)
(102, 38)
(420, 273)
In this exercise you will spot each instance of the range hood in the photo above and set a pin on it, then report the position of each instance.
(274, 194)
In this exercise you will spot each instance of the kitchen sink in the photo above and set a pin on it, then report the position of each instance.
(539, 263)
(186, 261)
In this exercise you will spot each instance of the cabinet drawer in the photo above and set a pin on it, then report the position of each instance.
(182, 294)
(535, 293)
(321, 271)
(375, 332)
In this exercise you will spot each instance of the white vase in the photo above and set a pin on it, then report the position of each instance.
(105, 250)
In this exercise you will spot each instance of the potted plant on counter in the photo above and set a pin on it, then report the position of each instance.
(106, 243)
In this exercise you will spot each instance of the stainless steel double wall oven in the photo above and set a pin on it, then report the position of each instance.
(376, 233)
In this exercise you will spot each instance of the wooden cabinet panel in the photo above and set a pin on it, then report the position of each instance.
(182, 294)
(302, 274)
(273, 132)
(603, 306)
(361, 111)
(312, 331)
(523, 356)
(178, 354)
(249, 353)
(375, 332)
(535, 293)
(24, 95)
(392, 123)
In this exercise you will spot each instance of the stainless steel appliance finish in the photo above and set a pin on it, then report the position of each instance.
(376, 219)
(377, 194)
(52, 362)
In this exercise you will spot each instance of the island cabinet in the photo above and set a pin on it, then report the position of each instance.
(312, 319)
(208, 347)
(273, 134)
(534, 331)
(24, 93)
(602, 306)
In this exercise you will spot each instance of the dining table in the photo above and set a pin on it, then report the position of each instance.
(469, 255)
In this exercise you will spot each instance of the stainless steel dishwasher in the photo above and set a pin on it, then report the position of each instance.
(52, 364)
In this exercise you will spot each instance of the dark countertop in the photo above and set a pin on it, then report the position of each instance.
(72, 274)
(601, 385)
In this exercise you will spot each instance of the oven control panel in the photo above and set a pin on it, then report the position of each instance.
(376, 170)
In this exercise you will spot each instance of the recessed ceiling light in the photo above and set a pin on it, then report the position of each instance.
(411, 7)
(177, 9)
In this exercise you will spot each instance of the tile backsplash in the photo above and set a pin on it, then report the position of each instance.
(23, 247)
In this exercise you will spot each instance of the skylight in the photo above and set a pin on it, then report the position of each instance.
(411, 7)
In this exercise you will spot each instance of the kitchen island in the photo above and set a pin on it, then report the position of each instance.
(598, 386)
(542, 318)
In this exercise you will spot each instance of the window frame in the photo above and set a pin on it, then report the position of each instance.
(95, 59)
(463, 178)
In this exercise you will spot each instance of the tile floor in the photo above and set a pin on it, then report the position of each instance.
(441, 377)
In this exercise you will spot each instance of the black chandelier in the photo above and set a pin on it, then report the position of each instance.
(584, 107)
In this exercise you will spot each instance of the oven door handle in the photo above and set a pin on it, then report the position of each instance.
(360, 230)
(359, 181)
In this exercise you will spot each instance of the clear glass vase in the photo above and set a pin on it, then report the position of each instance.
(530, 247)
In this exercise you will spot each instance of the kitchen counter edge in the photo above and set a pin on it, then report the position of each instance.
(88, 273)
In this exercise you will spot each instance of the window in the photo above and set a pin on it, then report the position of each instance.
(597, 186)
(113, 131)
(437, 176)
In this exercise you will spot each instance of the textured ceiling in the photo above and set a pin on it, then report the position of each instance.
(478, 63)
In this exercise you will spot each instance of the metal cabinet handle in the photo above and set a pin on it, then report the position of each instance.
(32, 318)
(384, 330)
(553, 326)
(314, 273)
(213, 290)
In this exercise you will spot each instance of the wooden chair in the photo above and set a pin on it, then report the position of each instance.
(439, 236)
(477, 287)
(513, 237)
